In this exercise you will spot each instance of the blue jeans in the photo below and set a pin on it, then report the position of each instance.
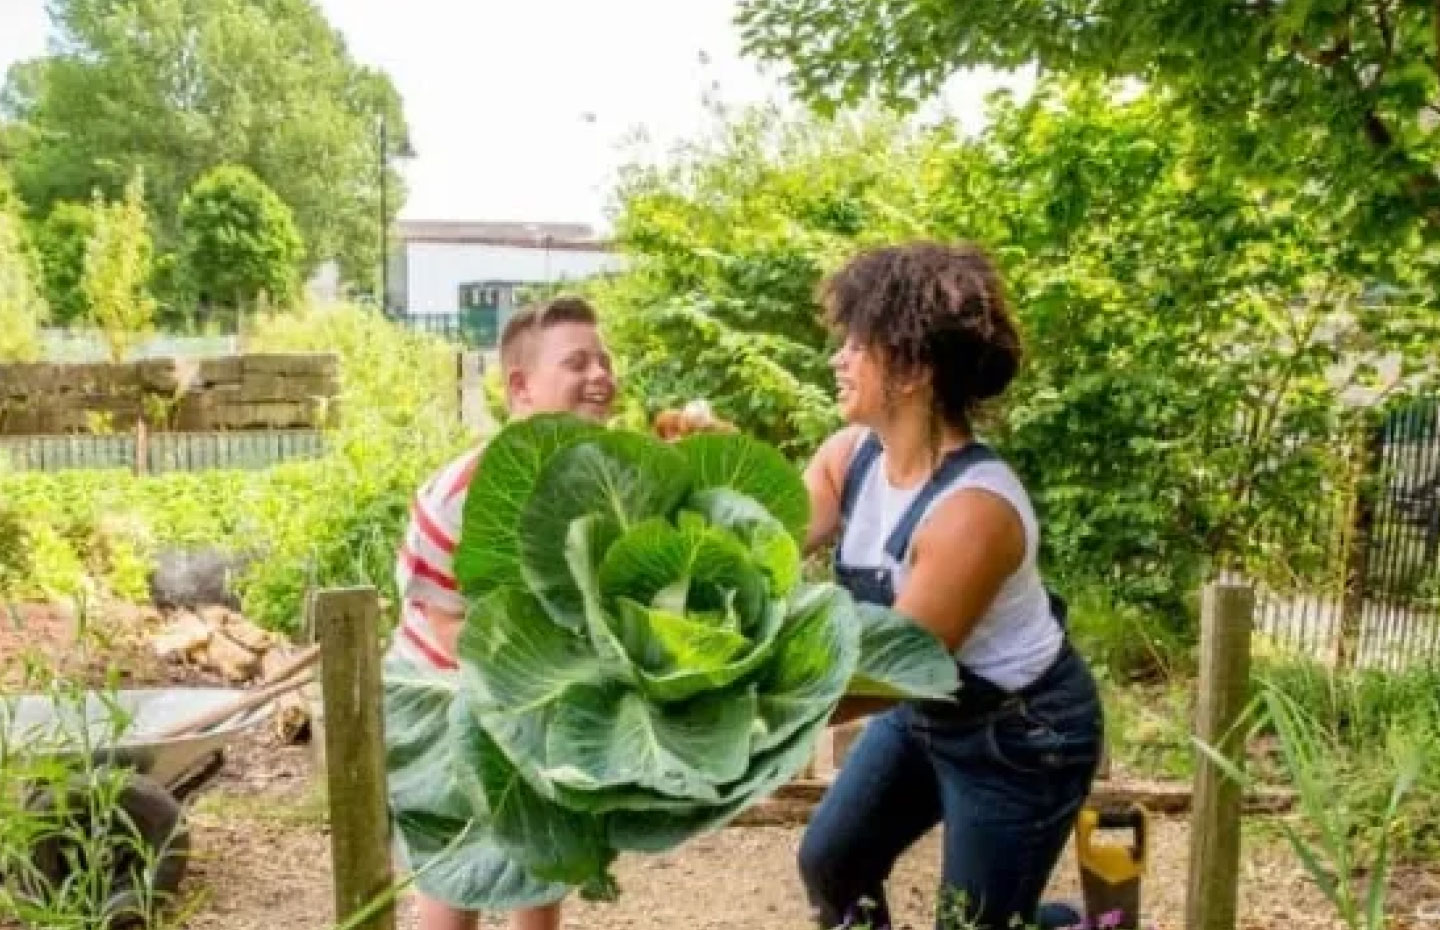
(1007, 788)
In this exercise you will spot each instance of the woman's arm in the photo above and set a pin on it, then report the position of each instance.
(825, 480)
(961, 557)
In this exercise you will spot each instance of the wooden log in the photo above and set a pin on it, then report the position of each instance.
(230, 659)
(183, 637)
(291, 717)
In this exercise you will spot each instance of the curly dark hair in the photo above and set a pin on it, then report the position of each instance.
(928, 306)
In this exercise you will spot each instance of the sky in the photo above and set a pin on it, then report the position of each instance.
(524, 111)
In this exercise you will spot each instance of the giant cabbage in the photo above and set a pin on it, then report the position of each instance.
(641, 661)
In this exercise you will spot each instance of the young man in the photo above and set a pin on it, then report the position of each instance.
(553, 361)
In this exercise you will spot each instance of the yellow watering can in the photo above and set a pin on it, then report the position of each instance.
(1110, 873)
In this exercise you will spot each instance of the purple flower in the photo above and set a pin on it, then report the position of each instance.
(1110, 920)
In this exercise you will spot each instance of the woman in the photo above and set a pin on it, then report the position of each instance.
(930, 521)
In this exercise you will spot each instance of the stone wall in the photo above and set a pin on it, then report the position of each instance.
(239, 392)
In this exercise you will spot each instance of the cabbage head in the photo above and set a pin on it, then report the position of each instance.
(642, 660)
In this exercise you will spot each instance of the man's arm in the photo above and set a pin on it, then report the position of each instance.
(446, 626)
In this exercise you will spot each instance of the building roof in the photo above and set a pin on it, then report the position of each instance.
(562, 236)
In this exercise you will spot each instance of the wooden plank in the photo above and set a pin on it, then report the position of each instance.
(347, 622)
(1168, 798)
(1227, 616)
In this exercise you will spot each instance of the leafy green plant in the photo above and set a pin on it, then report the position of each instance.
(22, 306)
(61, 241)
(239, 241)
(1331, 837)
(117, 270)
(640, 663)
(72, 855)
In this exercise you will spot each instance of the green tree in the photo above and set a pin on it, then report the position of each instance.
(1164, 304)
(177, 87)
(1344, 94)
(117, 271)
(22, 306)
(238, 241)
(62, 240)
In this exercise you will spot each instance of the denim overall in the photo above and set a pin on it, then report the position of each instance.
(1005, 772)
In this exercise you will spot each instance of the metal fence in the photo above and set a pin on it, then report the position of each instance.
(162, 452)
(475, 330)
(1364, 556)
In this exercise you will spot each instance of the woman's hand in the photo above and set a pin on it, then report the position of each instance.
(694, 417)
(853, 708)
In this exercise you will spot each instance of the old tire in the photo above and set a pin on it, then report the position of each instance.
(134, 831)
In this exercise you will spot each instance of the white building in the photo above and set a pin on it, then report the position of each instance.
(438, 266)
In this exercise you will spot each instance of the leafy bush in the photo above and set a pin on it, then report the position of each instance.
(642, 660)
(1164, 306)
(118, 257)
(239, 241)
(22, 307)
(62, 240)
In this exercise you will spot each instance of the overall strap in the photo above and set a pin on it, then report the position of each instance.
(864, 457)
(956, 463)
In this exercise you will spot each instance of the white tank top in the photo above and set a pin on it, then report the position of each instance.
(1017, 639)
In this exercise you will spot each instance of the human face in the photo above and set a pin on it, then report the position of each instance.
(569, 372)
(860, 377)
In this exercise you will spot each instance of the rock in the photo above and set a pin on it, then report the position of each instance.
(229, 658)
(196, 578)
(182, 638)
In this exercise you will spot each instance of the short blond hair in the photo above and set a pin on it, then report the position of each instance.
(517, 340)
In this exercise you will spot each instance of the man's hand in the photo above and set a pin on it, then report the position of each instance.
(446, 626)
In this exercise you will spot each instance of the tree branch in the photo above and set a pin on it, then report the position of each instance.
(1387, 31)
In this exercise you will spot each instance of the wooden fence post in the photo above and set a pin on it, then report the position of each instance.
(470, 371)
(347, 622)
(1226, 620)
(1357, 556)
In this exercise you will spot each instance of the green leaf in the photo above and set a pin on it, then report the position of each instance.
(488, 553)
(687, 680)
(515, 658)
(589, 538)
(688, 644)
(604, 737)
(900, 659)
(771, 545)
(550, 841)
(694, 568)
(818, 647)
(659, 829)
(738, 463)
(441, 833)
(622, 477)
